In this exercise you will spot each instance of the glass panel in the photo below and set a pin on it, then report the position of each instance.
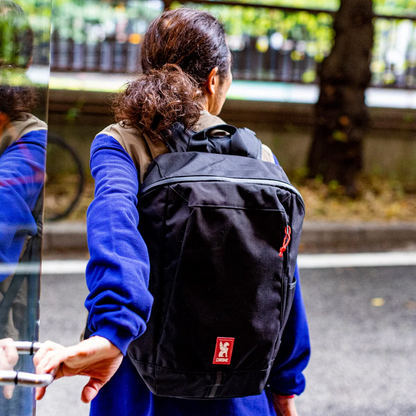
(24, 77)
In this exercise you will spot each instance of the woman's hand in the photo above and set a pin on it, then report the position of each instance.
(284, 405)
(8, 359)
(95, 357)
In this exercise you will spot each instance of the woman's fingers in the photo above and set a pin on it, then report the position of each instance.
(95, 357)
(8, 359)
(10, 356)
(6, 364)
(91, 389)
(48, 360)
(47, 347)
(8, 391)
(40, 392)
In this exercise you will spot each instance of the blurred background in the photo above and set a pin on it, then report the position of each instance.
(330, 86)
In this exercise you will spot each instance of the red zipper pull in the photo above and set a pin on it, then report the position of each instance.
(286, 240)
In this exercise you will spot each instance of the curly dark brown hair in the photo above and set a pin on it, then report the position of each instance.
(179, 50)
(156, 100)
(16, 100)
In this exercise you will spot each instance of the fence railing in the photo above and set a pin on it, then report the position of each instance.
(109, 55)
(269, 43)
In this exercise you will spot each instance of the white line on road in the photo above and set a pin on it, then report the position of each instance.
(326, 261)
(64, 266)
(305, 261)
(48, 267)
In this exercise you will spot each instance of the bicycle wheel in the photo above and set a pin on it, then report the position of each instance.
(65, 178)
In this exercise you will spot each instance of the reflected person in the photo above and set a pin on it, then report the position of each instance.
(22, 138)
(22, 172)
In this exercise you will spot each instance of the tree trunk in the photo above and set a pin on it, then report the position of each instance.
(341, 114)
(167, 4)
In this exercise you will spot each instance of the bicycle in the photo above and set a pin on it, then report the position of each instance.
(65, 178)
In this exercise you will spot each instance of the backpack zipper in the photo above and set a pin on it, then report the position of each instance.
(286, 240)
(182, 179)
(283, 251)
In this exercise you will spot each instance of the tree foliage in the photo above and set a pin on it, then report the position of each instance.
(307, 35)
(389, 7)
(238, 20)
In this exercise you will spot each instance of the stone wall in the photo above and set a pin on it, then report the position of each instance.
(389, 148)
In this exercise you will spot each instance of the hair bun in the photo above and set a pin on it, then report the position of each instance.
(159, 98)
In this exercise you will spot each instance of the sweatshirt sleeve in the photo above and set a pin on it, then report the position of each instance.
(119, 302)
(22, 173)
(286, 377)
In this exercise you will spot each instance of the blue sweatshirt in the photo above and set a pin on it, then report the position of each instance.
(22, 173)
(119, 302)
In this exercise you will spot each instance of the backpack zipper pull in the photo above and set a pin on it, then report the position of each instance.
(286, 240)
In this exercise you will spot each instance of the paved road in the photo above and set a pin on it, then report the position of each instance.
(62, 319)
(363, 360)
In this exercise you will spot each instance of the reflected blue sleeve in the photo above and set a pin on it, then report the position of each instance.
(119, 302)
(22, 174)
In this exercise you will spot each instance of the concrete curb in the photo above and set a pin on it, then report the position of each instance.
(324, 237)
(65, 236)
(317, 237)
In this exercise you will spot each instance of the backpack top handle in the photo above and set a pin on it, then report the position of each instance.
(213, 140)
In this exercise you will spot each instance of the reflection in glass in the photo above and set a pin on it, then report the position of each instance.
(22, 173)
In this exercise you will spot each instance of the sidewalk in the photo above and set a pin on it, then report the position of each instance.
(317, 237)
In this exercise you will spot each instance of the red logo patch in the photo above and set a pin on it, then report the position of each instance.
(223, 351)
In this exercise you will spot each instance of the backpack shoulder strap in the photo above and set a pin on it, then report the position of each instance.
(17, 128)
(140, 148)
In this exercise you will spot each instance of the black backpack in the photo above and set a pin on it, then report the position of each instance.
(222, 228)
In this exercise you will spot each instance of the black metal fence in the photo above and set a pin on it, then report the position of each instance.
(294, 42)
(108, 56)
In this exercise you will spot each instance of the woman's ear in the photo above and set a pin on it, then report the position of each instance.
(213, 81)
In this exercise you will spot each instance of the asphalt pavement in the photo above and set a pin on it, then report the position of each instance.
(362, 319)
(363, 332)
(62, 319)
